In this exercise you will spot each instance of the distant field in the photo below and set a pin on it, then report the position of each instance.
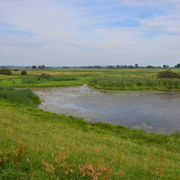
(124, 79)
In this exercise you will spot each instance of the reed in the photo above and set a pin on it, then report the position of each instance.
(23, 96)
(135, 83)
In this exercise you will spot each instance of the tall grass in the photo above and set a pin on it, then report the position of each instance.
(23, 96)
(65, 78)
(135, 83)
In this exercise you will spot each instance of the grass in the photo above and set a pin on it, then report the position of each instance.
(125, 79)
(23, 96)
(135, 83)
(35, 144)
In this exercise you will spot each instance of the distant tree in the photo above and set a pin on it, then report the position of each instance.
(110, 67)
(130, 66)
(33, 67)
(41, 67)
(177, 66)
(136, 65)
(165, 66)
(149, 66)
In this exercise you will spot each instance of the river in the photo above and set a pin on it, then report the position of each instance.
(152, 111)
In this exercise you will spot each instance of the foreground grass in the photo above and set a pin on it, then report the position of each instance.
(35, 144)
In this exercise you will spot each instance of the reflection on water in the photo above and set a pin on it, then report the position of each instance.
(153, 111)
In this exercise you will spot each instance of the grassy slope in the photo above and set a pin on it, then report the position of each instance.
(99, 150)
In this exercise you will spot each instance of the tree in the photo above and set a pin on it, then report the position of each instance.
(41, 67)
(165, 66)
(33, 67)
(136, 65)
(177, 66)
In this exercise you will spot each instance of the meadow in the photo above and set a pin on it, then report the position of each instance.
(36, 144)
(122, 79)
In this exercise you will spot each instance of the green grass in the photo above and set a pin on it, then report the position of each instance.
(23, 96)
(135, 83)
(125, 79)
(35, 144)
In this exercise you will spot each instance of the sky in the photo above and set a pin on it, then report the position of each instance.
(89, 32)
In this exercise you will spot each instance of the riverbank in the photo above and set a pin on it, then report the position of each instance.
(36, 144)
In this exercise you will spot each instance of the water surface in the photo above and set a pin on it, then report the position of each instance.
(153, 111)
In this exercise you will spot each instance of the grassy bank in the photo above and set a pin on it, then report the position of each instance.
(35, 144)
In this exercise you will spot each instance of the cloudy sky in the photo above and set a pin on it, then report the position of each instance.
(89, 32)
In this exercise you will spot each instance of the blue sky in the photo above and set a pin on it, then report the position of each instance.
(89, 32)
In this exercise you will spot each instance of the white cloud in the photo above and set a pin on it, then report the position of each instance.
(150, 2)
(67, 33)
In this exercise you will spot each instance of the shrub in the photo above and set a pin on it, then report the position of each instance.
(168, 74)
(23, 72)
(5, 72)
(44, 76)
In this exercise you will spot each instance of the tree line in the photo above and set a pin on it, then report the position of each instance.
(129, 66)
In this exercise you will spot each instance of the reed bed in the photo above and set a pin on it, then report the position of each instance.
(135, 83)
(23, 96)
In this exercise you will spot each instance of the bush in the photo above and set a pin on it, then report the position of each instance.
(44, 76)
(5, 72)
(168, 74)
(23, 72)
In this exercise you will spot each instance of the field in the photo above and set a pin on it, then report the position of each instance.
(124, 79)
(35, 144)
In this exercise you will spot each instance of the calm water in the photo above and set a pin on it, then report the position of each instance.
(152, 111)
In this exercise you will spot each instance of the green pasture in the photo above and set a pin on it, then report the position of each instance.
(132, 79)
